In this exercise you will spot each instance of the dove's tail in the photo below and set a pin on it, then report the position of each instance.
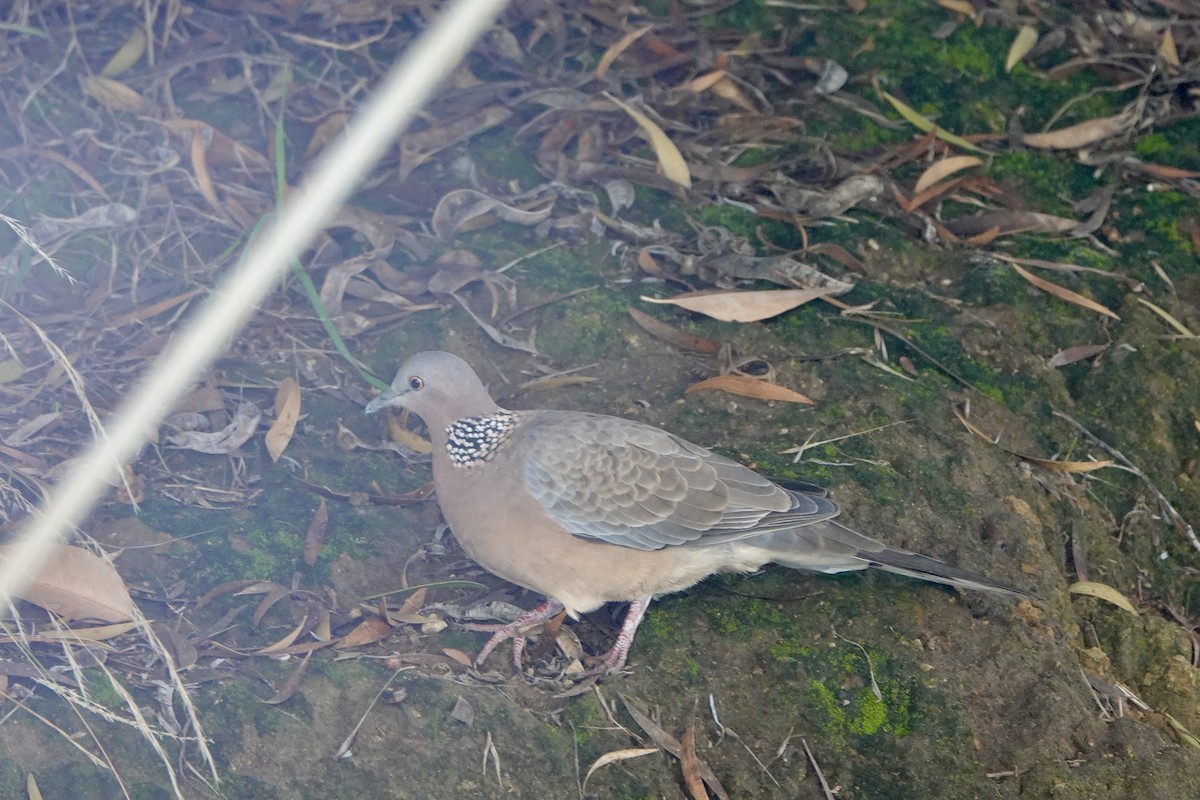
(830, 547)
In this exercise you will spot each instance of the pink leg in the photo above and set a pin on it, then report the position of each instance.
(513, 630)
(614, 660)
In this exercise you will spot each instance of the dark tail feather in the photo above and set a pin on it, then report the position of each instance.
(930, 569)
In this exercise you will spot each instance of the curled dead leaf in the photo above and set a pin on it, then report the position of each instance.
(287, 414)
(749, 387)
(225, 441)
(77, 584)
(615, 757)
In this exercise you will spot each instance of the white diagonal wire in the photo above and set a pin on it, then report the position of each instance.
(407, 86)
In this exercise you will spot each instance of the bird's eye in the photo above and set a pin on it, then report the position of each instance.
(416, 383)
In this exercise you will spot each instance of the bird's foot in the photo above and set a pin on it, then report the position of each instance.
(613, 661)
(514, 630)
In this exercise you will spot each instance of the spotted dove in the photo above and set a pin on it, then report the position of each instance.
(588, 509)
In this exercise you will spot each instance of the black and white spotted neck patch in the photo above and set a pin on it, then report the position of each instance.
(474, 440)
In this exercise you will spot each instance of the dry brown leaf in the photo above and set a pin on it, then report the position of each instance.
(728, 90)
(77, 584)
(943, 169)
(749, 387)
(1083, 134)
(272, 594)
(114, 95)
(204, 182)
(325, 132)
(286, 641)
(225, 441)
(287, 414)
(370, 630)
(1063, 293)
(618, 47)
(1024, 41)
(1104, 592)
(1182, 329)
(314, 537)
(1069, 467)
(291, 684)
(132, 50)
(958, 6)
(669, 743)
(749, 306)
(1079, 352)
(153, 309)
(673, 165)
(1167, 50)
(690, 763)
(459, 656)
(1007, 222)
(402, 435)
(462, 210)
(674, 336)
(615, 757)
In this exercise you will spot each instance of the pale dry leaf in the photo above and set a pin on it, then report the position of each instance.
(943, 169)
(673, 165)
(1182, 329)
(959, 7)
(753, 388)
(132, 50)
(1023, 42)
(287, 414)
(77, 584)
(1069, 467)
(285, 642)
(114, 95)
(1063, 293)
(618, 47)
(1070, 355)
(614, 757)
(751, 306)
(198, 153)
(1084, 133)
(1167, 50)
(459, 656)
(1009, 221)
(1104, 592)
